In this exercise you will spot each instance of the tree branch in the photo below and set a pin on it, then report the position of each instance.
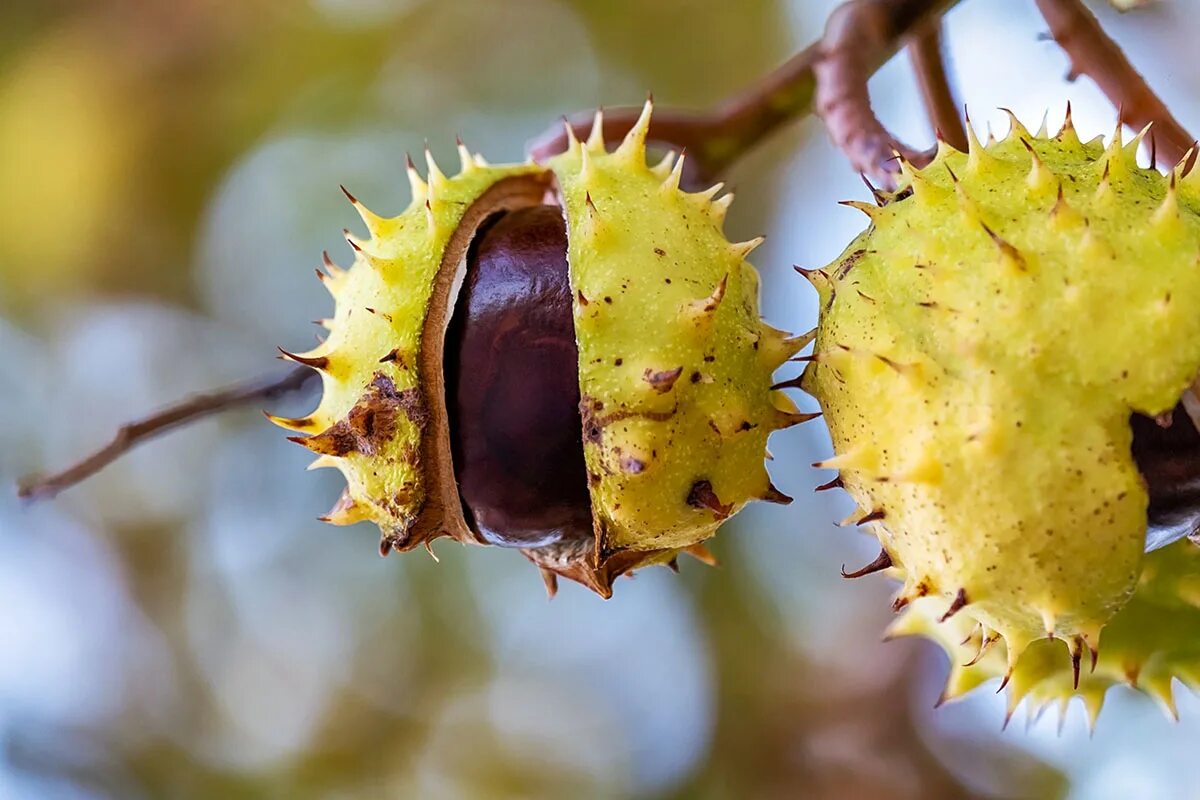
(188, 411)
(829, 76)
(929, 64)
(1094, 54)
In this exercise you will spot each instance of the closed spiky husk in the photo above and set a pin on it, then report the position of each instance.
(980, 350)
(1151, 642)
(674, 363)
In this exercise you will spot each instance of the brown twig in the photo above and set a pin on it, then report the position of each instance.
(830, 75)
(133, 433)
(929, 64)
(1094, 54)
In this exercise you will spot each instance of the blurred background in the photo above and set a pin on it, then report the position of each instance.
(182, 626)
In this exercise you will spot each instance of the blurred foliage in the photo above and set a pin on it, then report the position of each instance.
(182, 627)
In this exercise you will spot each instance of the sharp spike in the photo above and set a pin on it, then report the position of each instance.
(595, 140)
(819, 278)
(320, 363)
(773, 495)
(1044, 129)
(957, 604)
(1075, 647)
(663, 168)
(435, 178)
(345, 511)
(742, 250)
(550, 580)
(633, 146)
(882, 561)
(859, 459)
(977, 155)
(322, 462)
(300, 424)
(466, 161)
(704, 308)
(785, 419)
(1010, 253)
(881, 198)
(836, 483)
(572, 139)
(1167, 213)
(701, 553)
(874, 516)
(671, 183)
(1135, 144)
(872, 211)
(420, 189)
(1048, 623)
(1015, 128)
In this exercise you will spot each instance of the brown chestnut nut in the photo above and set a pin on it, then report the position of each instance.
(513, 383)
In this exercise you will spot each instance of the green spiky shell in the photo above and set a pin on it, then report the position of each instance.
(980, 349)
(1152, 641)
(378, 421)
(675, 364)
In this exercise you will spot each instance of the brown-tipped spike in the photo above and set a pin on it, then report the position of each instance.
(1006, 248)
(316, 362)
(813, 276)
(880, 198)
(790, 383)
(786, 419)
(298, 424)
(1076, 654)
(953, 177)
(875, 515)
(350, 240)
(1004, 681)
(881, 562)
(353, 200)
(701, 553)
(550, 580)
(321, 276)
(956, 605)
(773, 495)
(836, 483)
(871, 211)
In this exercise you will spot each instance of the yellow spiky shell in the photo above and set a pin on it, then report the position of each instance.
(675, 364)
(1151, 642)
(980, 350)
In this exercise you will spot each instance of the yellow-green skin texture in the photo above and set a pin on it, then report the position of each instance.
(980, 350)
(369, 361)
(675, 364)
(1153, 640)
